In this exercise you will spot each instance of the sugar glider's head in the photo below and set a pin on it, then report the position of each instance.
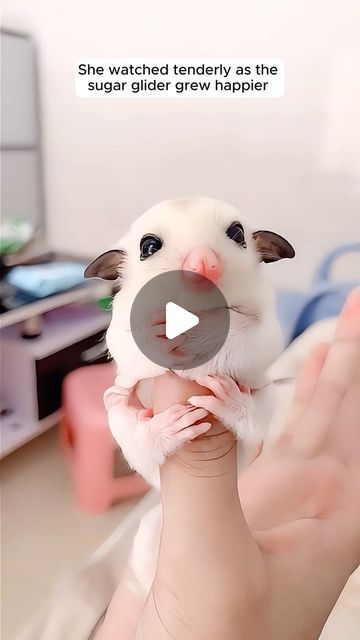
(211, 239)
(202, 235)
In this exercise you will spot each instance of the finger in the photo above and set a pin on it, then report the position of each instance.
(190, 418)
(157, 317)
(310, 372)
(227, 381)
(209, 403)
(158, 329)
(305, 385)
(210, 382)
(175, 343)
(174, 414)
(195, 430)
(348, 325)
(338, 372)
(168, 346)
(177, 409)
(344, 439)
(343, 357)
(255, 452)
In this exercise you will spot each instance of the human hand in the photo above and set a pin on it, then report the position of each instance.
(277, 572)
(301, 498)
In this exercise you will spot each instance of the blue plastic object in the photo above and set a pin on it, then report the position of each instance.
(325, 298)
(42, 280)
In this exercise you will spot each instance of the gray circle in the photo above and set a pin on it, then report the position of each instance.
(195, 294)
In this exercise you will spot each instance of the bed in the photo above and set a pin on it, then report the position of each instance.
(77, 606)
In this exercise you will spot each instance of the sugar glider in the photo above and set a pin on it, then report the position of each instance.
(211, 238)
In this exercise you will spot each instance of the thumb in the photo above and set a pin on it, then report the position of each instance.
(201, 507)
(203, 467)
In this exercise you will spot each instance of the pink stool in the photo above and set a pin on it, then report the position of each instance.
(87, 440)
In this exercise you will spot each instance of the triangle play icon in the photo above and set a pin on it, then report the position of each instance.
(178, 320)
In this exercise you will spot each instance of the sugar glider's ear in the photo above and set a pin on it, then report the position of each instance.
(107, 266)
(272, 247)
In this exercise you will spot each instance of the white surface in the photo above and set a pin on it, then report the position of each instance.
(17, 430)
(178, 320)
(18, 382)
(180, 78)
(107, 162)
(61, 328)
(18, 90)
(44, 536)
(22, 164)
(60, 333)
(89, 291)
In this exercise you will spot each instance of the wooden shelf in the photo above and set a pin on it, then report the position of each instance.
(17, 430)
(61, 328)
(88, 291)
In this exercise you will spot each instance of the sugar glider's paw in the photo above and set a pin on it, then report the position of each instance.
(162, 434)
(231, 404)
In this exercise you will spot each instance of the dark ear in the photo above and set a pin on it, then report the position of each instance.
(106, 266)
(271, 246)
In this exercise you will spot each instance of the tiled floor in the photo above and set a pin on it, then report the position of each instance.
(44, 537)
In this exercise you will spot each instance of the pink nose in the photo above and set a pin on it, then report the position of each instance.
(204, 262)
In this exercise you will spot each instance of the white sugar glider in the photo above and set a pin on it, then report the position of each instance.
(211, 238)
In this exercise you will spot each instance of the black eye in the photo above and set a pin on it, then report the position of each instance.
(236, 232)
(149, 244)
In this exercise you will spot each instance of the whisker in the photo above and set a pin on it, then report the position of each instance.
(243, 311)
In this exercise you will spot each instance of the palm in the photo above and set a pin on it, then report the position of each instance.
(301, 500)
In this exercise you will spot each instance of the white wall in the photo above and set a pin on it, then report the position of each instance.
(291, 164)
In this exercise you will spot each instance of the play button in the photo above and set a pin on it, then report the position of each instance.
(178, 320)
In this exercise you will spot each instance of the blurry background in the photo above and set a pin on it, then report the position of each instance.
(290, 164)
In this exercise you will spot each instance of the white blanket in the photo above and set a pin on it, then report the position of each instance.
(79, 603)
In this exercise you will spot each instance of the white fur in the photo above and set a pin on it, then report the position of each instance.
(252, 344)
(184, 224)
(253, 341)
